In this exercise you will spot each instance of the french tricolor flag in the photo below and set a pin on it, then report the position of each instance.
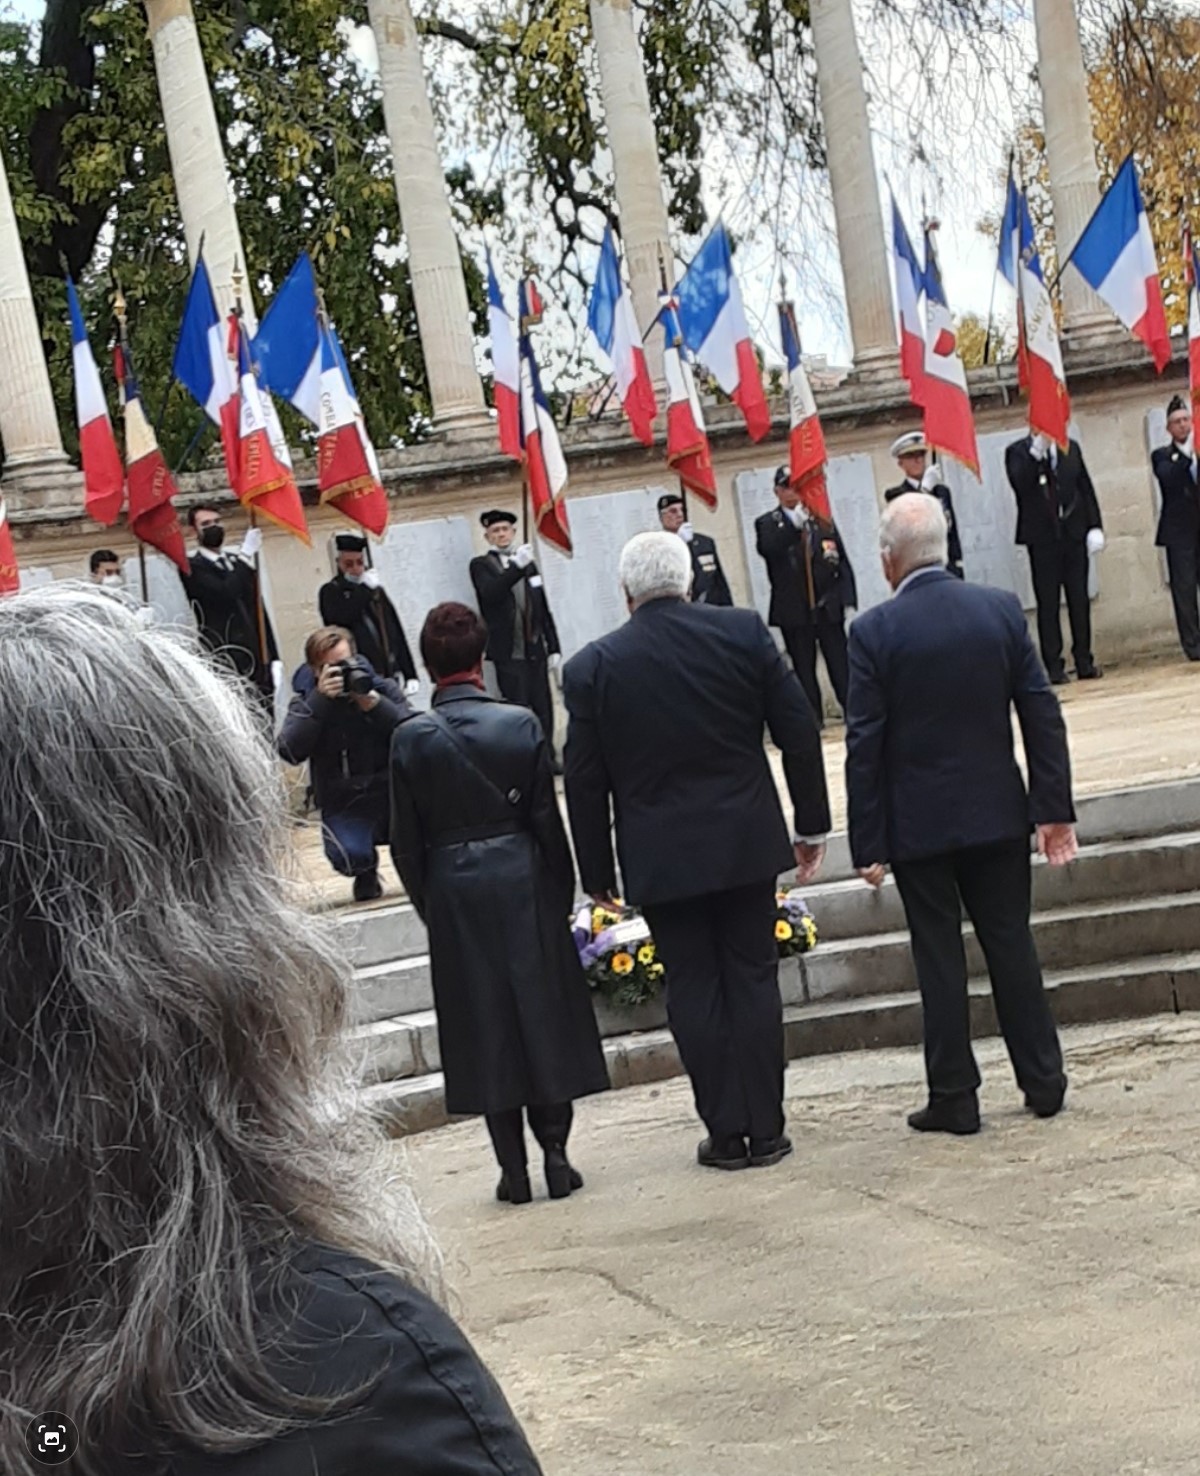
(1049, 402)
(1191, 271)
(152, 515)
(261, 481)
(545, 464)
(1008, 266)
(347, 468)
(506, 369)
(807, 455)
(716, 331)
(103, 473)
(910, 282)
(1115, 256)
(949, 420)
(688, 453)
(614, 325)
(10, 574)
(201, 364)
(287, 346)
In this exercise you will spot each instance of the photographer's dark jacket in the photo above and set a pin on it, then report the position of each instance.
(810, 573)
(345, 748)
(370, 617)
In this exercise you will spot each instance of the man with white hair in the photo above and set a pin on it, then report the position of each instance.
(935, 792)
(667, 716)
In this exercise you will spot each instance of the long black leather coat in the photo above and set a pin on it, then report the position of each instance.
(486, 863)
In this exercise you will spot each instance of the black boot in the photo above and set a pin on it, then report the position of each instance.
(367, 886)
(507, 1131)
(514, 1187)
(958, 1115)
(552, 1127)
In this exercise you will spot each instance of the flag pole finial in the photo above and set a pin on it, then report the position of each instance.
(236, 280)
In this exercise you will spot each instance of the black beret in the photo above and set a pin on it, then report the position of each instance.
(669, 499)
(350, 543)
(783, 476)
(1177, 403)
(496, 515)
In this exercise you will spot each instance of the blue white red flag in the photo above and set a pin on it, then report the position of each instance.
(152, 490)
(806, 441)
(949, 422)
(688, 452)
(614, 326)
(1049, 402)
(715, 329)
(287, 346)
(1116, 257)
(545, 464)
(10, 574)
(201, 363)
(262, 481)
(347, 467)
(506, 369)
(910, 283)
(103, 473)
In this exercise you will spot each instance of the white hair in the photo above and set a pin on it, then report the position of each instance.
(656, 566)
(913, 532)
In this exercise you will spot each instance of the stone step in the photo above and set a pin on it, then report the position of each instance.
(399, 987)
(1164, 984)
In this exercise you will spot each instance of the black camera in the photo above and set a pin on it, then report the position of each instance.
(357, 677)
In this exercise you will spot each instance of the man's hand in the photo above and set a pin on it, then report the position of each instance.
(331, 682)
(554, 660)
(932, 477)
(523, 556)
(411, 687)
(874, 874)
(809, 855)
(371, 578)
(252, 543)
(686, 532)
(276, 675)
(1057, 843)
(365, 701)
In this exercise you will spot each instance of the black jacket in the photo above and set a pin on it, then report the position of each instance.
(1179, 520)
(370, 617)
(666, 734)
(954, 553)
(810, 573)
(431, 1408)
(345, 748)
(225, 604)
(934, 676)
(1053, 502)
(494, 585)
(709, 585)
(480, 846)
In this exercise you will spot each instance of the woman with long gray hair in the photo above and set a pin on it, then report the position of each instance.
(205, 1262)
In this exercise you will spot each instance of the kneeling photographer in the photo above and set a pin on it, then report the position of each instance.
(340, 722)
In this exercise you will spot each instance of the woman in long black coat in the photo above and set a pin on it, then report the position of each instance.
(479, 842)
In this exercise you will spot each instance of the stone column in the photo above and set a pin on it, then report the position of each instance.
(28, 421)
(862, 245)
(632, 138)
(1070, 155)
(439, 288)
(197, 152)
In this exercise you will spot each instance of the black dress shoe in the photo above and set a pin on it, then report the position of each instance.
(1059, 679)
(561, 1178)
(1090, 674)
(1046, 1104)
(368, 887)
(514, 1189)
(723, 1153)
(959, 1115)
(766, 1151)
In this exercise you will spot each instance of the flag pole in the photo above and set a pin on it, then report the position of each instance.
(664, 292)
(987, 338)
(121, 314)
(236, 280)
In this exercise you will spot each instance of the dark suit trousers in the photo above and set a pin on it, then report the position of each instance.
(1183, 566)
(527, 683)
(802, 641)
(1056, 567)
(993, 884)
(724, 1007)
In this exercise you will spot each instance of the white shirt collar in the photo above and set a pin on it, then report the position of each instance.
(214, 554)
(917, 574)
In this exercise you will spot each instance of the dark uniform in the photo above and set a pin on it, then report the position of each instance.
(1056, 510)
(521, 632)
(1179, 532)
(812, 587)
(223, 592)
(370, 617)
(954, 559)
(709, 585)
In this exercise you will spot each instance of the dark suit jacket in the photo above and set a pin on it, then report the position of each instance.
(930, 767)
(667, 716)
(709, 585)
(224, 602)
(1052, 502)
(494, 585)
(808, 568)
(369, 615)
(1179, 521)
(954, 553)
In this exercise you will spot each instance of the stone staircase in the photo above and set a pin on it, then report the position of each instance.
(1118, 933)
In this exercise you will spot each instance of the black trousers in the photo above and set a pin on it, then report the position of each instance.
(1056, 567)
(802, 641)
(993, 884)
(551, 1126)
(528, 684)
(1183, 567)
(723, 1005)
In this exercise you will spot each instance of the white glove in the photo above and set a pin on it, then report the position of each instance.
(932, 477)
(145, 615)
(371, 578)
(798, 515)
(252, 543)
(276, 670)
(411, 687)
(686, 532)
(523, 556)
(554, 660)
(1039, 447)
(1095, 540)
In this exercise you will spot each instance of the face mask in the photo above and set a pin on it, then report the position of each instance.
(113, 581)
(213, 536)
(352, 578)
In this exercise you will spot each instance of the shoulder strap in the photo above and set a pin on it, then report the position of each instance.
(511, 797)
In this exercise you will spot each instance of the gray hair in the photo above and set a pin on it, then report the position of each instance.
(914, 533)
(656, 566)
(173, 1121)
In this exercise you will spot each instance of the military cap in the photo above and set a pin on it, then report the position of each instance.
(497, 515)
(909, 444)
(350, 543)
(669, 499)
(783, 475)
(1177, 404)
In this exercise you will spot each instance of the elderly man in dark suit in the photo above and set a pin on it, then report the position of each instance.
(667, 717)
(1178, 475)
(1058, 521)
(935, 792)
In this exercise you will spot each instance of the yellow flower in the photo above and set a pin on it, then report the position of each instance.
(622, 963)
(656, 971)
(810, 932)
(646, 954)
(783, 931)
